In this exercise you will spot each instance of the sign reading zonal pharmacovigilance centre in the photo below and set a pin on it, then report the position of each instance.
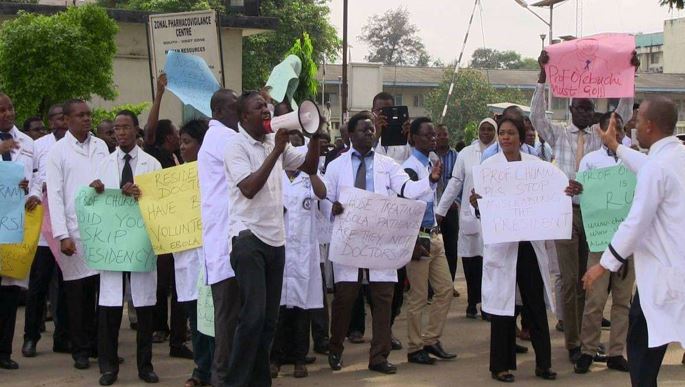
(194, 33)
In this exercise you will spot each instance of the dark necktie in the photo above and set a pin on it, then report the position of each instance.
(127, 172)
(6, 156)
(360, 179)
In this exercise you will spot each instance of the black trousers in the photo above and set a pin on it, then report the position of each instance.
(203, 346)
(358, 316)
(108, 338)
(82, 296)
(319, 317)
(450, 232)
(398, 296)
(259, 271)
(166, 284)
(60, 312)
(226, 297)
(644, 362)
(473, 272)
(43, 269)
(503, 328)
(291, 342)
(9, 301)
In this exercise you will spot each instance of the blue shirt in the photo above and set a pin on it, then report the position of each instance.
(448, 161)
(494, 149)
(429, 216)
(368, 163)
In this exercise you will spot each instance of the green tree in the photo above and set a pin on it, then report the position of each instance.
(487, 58)
(468, 104)
(678, 4)
(48, 59)
(392, 40)
(163, 5)
(100, 114)
(308, 86)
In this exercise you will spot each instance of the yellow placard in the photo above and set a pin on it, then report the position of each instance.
(170, 207)
(16, 259)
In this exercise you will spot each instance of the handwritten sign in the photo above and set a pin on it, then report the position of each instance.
(170, 206)
(522, 201)
(375, 231)
(11, 202)
(605, 203)
(596, 66)
(113, 234)
(205, 306)
(191, 80)
(16, 259)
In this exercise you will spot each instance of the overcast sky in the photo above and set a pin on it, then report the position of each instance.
(505, 24)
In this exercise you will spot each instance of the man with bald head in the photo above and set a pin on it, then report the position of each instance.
(570, 142)
(653, 234)
(214, 207)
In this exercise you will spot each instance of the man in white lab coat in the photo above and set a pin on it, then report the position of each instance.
(19, 150)
(72, 164)
(44, 265)
(653, 234)
(365, 169)
(118, 171)
(214, 206)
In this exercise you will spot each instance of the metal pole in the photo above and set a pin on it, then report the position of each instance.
(456, 65)
(343, 95)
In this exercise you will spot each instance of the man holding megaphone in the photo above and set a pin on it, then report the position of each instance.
(254, 161)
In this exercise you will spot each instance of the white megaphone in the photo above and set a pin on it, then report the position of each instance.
(307, 118)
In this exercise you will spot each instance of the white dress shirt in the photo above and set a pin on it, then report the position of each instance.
(263, 214)
(41, 148)
(214, 202)
(598, 159)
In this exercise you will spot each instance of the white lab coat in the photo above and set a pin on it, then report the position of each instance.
(187, 270)
(470, 238)
(302, 273)
(388, 179)
(42, 147)
(69, 168)
(214, 202)
(23, 155)
(499, 266)
(143, 284)
(653, 233)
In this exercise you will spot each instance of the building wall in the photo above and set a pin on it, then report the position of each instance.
(674, 46)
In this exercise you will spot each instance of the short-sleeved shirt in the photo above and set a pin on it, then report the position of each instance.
(263, 214)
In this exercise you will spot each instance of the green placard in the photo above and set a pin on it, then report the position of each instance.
(205, 306)
(605, 203)
(113, 233)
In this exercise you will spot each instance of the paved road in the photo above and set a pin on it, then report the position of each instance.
(467, 337)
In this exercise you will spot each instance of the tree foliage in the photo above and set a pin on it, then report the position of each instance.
(48, 59)
(393, 41)
(678, 4)
(468, 104)
(100, 114)
(487, 58)
(163, 5)
(308, 86)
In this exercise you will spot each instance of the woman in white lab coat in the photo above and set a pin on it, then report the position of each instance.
(506, 265)
(302, 274)
(470, 240)
(187, 266)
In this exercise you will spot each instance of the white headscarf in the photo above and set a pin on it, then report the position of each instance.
(494, 125)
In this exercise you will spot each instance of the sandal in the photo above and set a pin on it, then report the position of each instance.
(503, 376)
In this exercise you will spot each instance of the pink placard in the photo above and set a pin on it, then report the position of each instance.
(596, 66)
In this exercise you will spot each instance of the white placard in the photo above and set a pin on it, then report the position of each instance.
(187, 32)
(375, 231)
(522, 201)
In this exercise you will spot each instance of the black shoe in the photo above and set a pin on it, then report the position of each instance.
(395, 343)
(183, 352)
(61, 347)
(321, 348)
(574, 354)
(300, 371)
(335, 361)
(108, 378)
(471, 312)
(560, 326)
(8, 364)
(583, 364)
(307, 360)
(159, 337)
(436, 350)
(29, 348)
(420, 357)
(505, 377)
(606, 324)
(81, 363)
(148, 377)
(547, 374)
(600, 357)
(521, 349)
(385, 368)
(356, 338)
(133, 326)
(484, 316)
(618, 363)
(274, 369)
